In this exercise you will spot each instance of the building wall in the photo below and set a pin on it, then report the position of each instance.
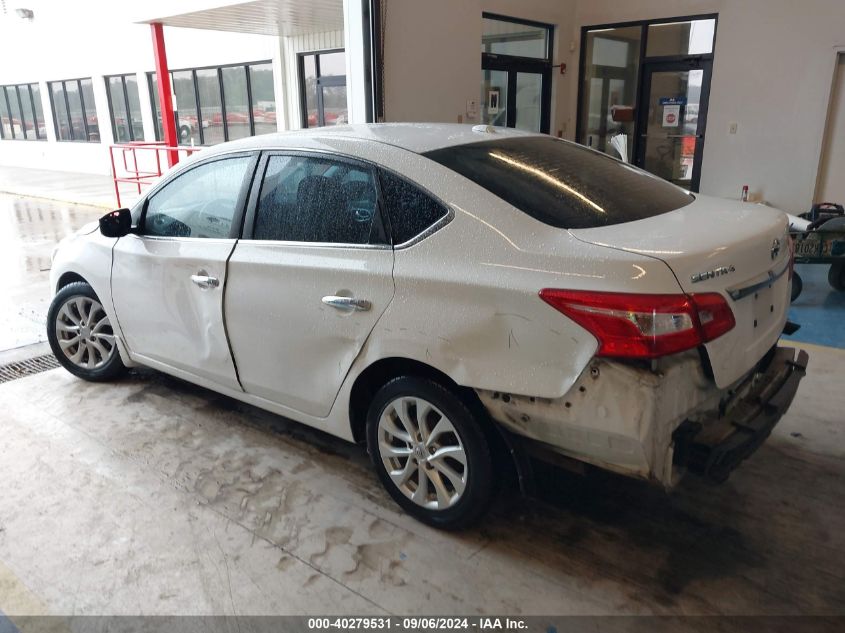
(772, 75)
(61, 43)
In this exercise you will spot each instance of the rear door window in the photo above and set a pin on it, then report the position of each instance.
(316, 199)
(562, 184)
(411, 210)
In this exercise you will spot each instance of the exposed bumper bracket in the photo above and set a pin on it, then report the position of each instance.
(752, 420)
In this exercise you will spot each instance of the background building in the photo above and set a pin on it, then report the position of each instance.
(712, 94)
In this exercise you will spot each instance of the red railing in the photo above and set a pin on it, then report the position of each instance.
(142, 162)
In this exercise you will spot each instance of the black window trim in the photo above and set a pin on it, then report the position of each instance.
(193, 70)
(125, 92)
(4, 92)
(240, 205)
(72, 138)
(252, 207)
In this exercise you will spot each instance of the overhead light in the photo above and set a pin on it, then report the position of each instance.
(25, 14)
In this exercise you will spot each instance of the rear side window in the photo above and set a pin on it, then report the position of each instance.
(411, 210)
(311, 199)
(562, 184)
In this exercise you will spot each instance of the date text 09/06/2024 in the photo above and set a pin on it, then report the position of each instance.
(417, 623)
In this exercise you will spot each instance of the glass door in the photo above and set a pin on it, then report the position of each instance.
(516, 72)
(672, 120)
(516, 95)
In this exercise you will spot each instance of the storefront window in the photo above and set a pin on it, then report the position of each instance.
(322, 81)
(74, 110)
(611, 72)
(681, 38)
(234, 102)
(125, 107)
(515, 39)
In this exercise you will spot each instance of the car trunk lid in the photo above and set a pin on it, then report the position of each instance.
(738, 250)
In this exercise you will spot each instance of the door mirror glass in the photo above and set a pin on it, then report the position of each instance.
(116, 223)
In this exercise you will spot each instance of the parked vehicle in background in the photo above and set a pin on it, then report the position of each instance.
(449, 296)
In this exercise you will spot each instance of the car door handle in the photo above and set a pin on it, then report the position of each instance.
(347, 303)
(205, 282)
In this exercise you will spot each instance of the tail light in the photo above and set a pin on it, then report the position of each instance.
(644, 325)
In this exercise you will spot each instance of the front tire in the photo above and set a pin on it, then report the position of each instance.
(430, 452)
(81, 335)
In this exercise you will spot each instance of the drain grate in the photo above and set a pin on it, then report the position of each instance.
(27, 367)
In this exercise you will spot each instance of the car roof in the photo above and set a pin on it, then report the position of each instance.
(415, 137)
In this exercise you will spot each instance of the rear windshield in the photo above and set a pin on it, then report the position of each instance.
(562, 184)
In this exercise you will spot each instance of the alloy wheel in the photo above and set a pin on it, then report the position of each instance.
(84, 332)
(422, 453)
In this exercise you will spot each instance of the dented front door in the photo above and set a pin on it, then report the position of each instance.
(168, 296)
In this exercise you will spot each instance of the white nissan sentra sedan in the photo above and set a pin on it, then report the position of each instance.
(456, 297)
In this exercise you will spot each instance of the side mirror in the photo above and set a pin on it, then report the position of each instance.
(116, 223)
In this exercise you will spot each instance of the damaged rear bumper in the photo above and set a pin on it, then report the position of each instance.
(655, 422)
(714, 448)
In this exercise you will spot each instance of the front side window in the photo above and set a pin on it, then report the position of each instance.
(202, 202)
(310, 199)
(562, 184)
(411, 211)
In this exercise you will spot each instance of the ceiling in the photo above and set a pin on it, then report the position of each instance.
(266, 17)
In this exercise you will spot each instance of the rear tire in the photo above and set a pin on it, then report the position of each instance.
(836, 276)
(797, 286)
(430, 452)
(81, 335)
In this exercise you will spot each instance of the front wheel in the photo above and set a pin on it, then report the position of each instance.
(81, 335)
(430, 452)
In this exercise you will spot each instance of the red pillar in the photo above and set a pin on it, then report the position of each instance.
(165, 101)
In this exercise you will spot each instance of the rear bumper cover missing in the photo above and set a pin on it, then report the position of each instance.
(714, 448)
(656, 423)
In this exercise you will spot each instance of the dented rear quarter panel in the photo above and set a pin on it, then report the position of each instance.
(466, 299)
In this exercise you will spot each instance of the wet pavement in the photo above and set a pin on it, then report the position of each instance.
(150, 495)
(819, 309)
(30, 228)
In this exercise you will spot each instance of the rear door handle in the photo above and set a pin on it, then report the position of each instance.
(204, 281)
(347, 303)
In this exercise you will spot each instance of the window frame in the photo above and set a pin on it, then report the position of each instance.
(329, 81)
(66, 105)
(125, 92)
(258, 181)
(240, 206)
(196, 107)
(442, 221)
(30, 98)
(643, 58)
(550, 34)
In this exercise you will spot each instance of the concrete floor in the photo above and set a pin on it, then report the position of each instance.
(152, 496)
